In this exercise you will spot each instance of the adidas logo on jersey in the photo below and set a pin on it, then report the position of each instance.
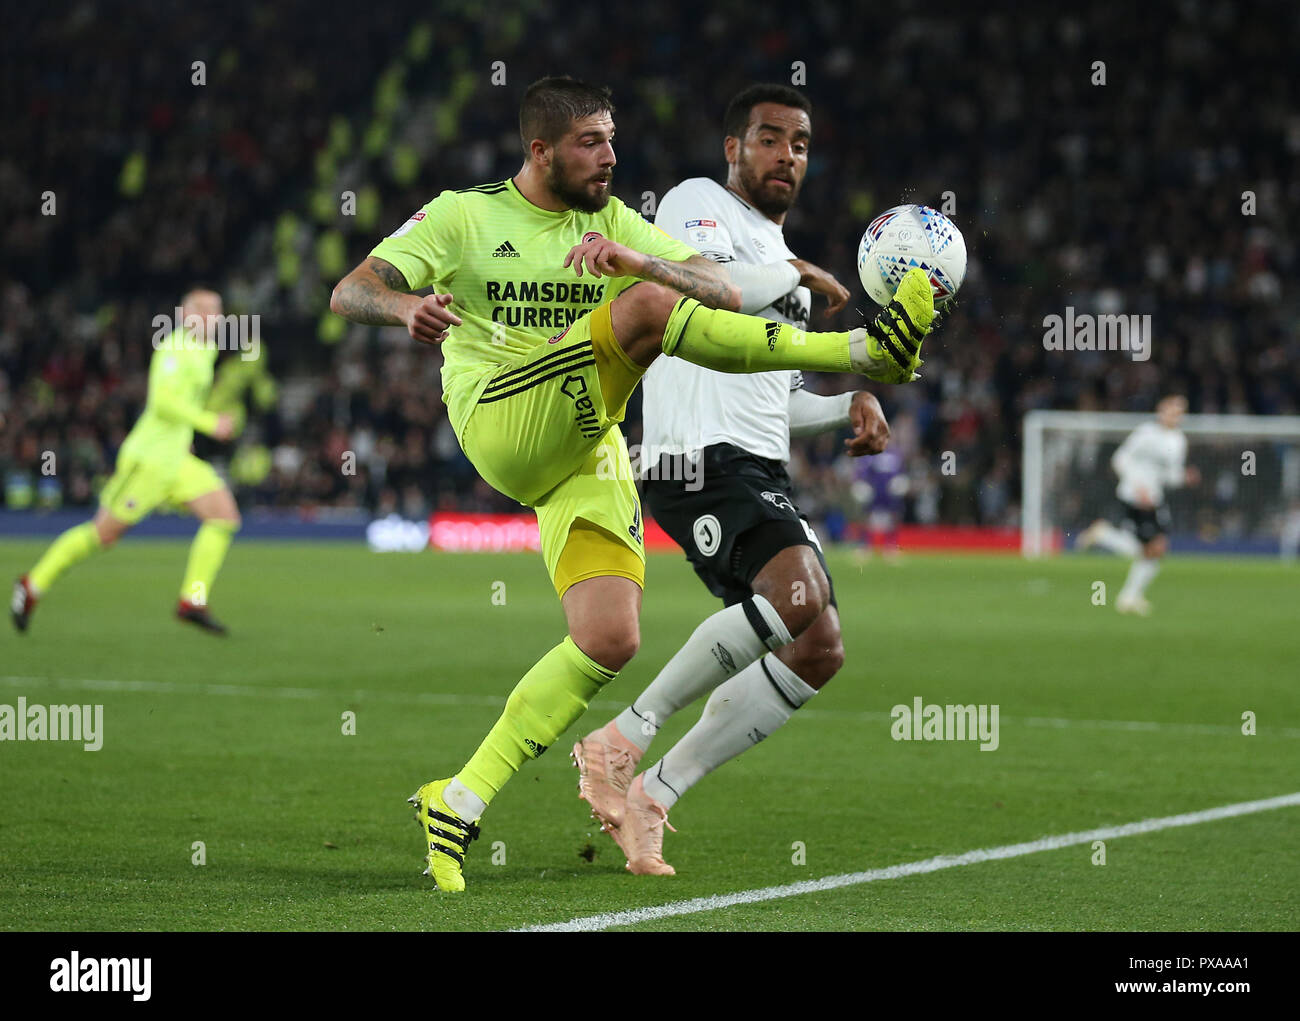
(505, 251)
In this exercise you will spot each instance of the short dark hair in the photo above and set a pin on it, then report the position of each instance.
(551, 105)
(736, 119)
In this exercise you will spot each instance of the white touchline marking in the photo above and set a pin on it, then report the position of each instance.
(496, 701)
(593, 923)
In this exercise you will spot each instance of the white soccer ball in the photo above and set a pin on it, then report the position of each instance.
(907, 236)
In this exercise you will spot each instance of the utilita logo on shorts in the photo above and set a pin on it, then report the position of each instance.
(575, 388)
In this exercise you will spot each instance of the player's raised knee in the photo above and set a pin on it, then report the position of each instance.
(818, 661)
(613, 648)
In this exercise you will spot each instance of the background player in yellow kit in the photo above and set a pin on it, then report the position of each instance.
(546, 342)
(155, 468)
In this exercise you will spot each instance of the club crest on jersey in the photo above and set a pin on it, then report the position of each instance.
(592, 235)
(778, 500)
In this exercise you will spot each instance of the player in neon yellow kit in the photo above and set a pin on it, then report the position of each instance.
(155, 467)
(547, 340)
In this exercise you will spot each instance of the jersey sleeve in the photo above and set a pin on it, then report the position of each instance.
(687, 215)
(170, 389)
(426, 248)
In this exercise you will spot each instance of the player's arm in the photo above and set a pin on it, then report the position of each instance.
(1125, 462)
(168, 399)
(423, 251)
(1181, 473)
(811, 414)
(696, 277)
(646, 252)
(1121, 462)
(819, 281)
(376, 294)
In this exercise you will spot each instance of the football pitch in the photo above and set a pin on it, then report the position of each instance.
(228, 793)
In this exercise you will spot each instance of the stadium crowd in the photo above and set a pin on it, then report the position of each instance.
(1096, 160)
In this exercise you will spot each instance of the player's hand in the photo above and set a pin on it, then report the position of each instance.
(1144, 500)
(1191, 475)
(870, 430)
(429, 321)
(225, 427)
(604, 258)
(819, 281)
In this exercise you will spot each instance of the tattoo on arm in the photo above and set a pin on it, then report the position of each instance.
(372, 294)
(697, 278)
(388, 273)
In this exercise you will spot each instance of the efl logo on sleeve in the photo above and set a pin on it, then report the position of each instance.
(415, 218)
(701, 231)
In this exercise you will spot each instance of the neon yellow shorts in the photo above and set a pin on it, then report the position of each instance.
(138, 488)
(545, 433)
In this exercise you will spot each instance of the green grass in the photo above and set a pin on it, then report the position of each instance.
(306, 828)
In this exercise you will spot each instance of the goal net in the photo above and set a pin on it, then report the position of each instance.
(1248, 499)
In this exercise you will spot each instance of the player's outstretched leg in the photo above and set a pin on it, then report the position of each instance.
(887, 349)
(1132, 597)
(800, 637)
(71, 548)
(1102, 533)
(602, 613)
(727, 641)
(746, 709)
(218, 522)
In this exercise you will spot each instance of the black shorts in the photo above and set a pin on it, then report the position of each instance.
(731, 519)
(1146, 523)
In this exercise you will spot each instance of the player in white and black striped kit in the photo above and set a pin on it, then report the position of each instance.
(1148, 462)
(778, 639)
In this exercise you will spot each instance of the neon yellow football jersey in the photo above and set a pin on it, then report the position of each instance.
(180, 376)
(502, 260)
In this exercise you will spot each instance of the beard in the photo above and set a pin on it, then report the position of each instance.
(768, 198)
(576, 194)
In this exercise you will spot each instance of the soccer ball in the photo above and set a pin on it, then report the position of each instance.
(907, 236)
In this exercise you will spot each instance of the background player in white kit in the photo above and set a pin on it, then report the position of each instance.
(778, 640)
(1148, 462)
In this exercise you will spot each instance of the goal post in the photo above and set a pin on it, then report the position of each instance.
(1248, 499)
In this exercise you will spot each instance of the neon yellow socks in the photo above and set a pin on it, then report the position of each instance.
(206, 555)
(551, 696)
(72, 547)
(731, 342)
